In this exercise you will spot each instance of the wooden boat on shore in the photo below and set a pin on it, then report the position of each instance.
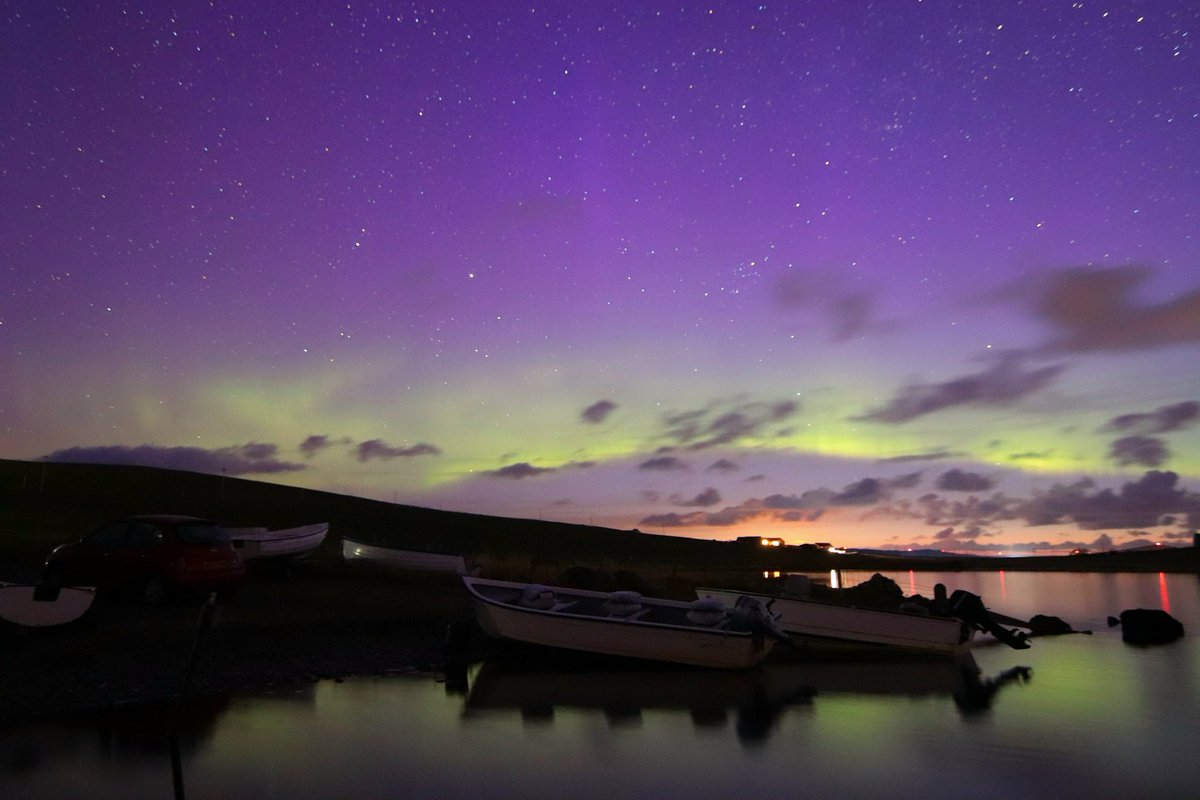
(24, 606)
(625, 624)
(359, 552)
(293, 543)
(814, 620)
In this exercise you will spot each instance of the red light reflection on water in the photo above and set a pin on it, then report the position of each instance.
(1163, 597)
(1003, 587)
(912, 582)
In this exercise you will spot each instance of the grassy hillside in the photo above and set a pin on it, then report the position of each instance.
(45, 504)
(42, 505)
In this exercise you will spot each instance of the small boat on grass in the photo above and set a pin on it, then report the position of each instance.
(815, 621)
(281, 543)
(362, 553)
(31, 606)
(626, 624)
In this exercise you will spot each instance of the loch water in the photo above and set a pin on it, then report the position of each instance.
(1091, 717)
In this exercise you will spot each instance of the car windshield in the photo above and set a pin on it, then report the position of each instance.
(208, 533)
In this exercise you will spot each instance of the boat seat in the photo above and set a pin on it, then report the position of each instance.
(538, 597)
(624, 604)
(708, 612)
(564, 605)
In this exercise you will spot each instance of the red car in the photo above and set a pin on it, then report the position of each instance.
(153, 554)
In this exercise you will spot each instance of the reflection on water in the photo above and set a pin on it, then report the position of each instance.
(754, 700)
(1096, 718)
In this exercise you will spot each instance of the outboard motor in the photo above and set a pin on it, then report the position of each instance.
(756, 616)
(970, 609)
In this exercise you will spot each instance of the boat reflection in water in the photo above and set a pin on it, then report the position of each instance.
(755, 700)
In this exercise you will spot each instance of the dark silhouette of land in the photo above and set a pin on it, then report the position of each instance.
(323, 618)
(44, 504)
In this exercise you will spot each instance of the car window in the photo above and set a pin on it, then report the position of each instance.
(143, 534)
(112, 535)
(208, 533)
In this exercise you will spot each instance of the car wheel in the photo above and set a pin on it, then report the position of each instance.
(155, 591)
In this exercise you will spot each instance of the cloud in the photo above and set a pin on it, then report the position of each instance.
(663, 463)
(1153, 500)
(850, 312)
(864, 492)
(1095, 310)
(725, 423)
(851, 315)
(519, 471)
(1141, 504)
(1030, 455)
(672, 520)
(706, 498)
(956, 480)
(313, 445)
(1162, 420)
(1142, 451)
(524, 469)
(907, 481)
(377, 448)
(254, 458)
(598, 411)
(1005, 384)
(934, 455)
(723, 465)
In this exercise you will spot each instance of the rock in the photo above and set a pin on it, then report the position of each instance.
(877, 592)
(1044, 625)
(1147, 626)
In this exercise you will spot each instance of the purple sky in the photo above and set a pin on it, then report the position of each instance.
(901, 274)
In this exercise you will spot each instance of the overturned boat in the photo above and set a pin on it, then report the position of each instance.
(704, 633)
(35, 606)
(420, 560)
(281, 543)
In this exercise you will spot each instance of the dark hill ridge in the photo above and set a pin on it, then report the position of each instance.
(43, 504)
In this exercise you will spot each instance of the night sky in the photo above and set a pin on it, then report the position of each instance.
(881, 274)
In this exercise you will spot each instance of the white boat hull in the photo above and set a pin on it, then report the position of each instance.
(626, 637)
(18, 606)
(402, 559)
(816, 620)
(258, 543)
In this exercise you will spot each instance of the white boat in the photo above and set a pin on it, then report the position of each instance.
(353, 551)
(914, 632)
(624, 624)
(813, 619)
(23, 605)
(260, 543)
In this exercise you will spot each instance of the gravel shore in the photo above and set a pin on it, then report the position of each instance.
(276, 631)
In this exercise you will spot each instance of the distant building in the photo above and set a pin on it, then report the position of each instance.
(762, 541)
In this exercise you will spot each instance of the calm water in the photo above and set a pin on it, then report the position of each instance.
(1096, 718)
